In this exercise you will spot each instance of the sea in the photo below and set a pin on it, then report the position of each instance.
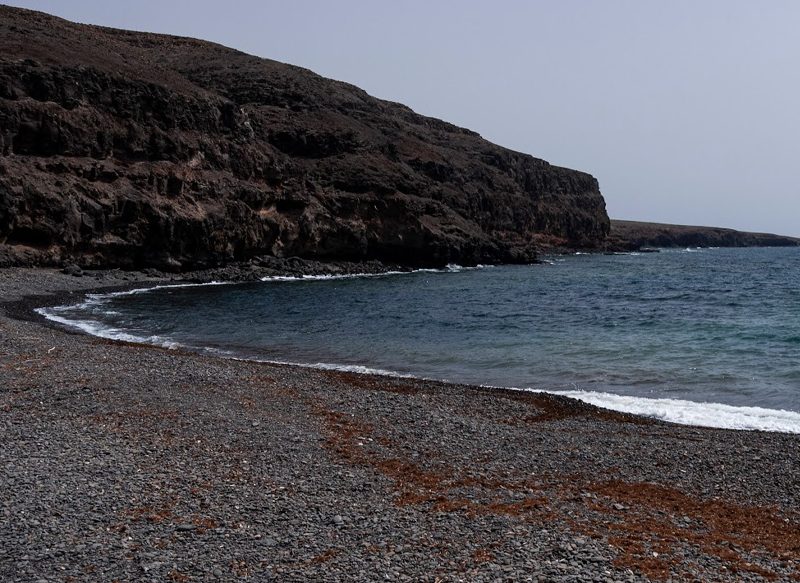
(707, 337)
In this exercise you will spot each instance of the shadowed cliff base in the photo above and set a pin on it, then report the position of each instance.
(127, 149)
(636, 235)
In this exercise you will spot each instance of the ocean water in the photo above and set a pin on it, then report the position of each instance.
(700, 336)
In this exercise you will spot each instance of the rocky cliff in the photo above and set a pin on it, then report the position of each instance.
(130, 149)
(634, 235)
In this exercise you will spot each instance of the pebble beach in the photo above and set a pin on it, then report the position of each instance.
(128, 462)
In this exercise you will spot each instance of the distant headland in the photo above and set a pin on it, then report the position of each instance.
(635, 235)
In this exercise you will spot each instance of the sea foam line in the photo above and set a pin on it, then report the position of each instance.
(450, 268)
(714, 415)
(355, 368)
(94, 299)
(94, 328)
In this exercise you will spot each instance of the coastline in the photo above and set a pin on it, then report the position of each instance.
(695, 412)
(140, 456)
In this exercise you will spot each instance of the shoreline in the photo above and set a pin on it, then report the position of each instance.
(167, 464)
(26, 309)
(691, 413)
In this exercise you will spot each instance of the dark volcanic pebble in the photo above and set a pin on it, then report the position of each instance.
(125, 462)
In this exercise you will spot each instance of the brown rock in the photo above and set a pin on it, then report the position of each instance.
(635, 234)
(132, 149)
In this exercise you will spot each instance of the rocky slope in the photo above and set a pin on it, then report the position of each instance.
(130, 149)
(634, 235)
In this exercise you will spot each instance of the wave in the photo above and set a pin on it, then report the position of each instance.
(355, 368)
(142, 290)
(714, 415)
(94, 302)
(95, 328)
(96, 299)
(449, 268)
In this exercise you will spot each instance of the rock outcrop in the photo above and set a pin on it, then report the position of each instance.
(131, 149)
(635, 235)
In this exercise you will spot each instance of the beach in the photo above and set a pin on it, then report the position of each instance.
(130, 462)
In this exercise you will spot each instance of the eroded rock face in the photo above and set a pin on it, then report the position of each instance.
(131, 149)
(635, 235)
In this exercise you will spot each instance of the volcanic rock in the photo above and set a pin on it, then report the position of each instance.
(128, 149)
(635, 235)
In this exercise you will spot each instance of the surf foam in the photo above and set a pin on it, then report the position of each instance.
(715, 415)
(356, 368)
(94, 302)
(94, 328)
(450, 268)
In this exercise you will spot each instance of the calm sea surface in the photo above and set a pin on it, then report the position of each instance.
(715, 326)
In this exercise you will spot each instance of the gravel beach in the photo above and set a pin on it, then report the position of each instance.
(135, 463)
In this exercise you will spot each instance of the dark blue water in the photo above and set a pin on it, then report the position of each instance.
(715, 325)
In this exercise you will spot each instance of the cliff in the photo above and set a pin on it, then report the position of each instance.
(131, 149)
(634, 235)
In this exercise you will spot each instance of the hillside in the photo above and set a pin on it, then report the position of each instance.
(634, 234)
(132, 149)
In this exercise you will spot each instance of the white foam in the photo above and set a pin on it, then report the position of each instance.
(716, 415)
(142, 290)
(95, 328)
(356, 368)
(96, 299)
(271, 278)
(450, 268)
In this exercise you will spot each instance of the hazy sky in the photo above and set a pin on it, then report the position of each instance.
(686, 111)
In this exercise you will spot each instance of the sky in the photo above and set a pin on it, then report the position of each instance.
(685, 111)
